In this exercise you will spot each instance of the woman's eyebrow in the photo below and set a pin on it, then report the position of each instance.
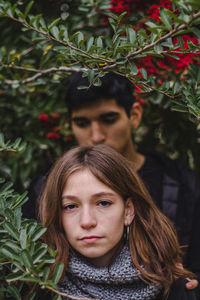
(96, 195)
(69, 197)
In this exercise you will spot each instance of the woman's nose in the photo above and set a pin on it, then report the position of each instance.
(87, 218)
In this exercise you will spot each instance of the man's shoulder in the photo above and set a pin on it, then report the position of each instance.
(174, 168)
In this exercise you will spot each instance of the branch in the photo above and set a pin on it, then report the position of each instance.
(164, 37)
(39, 73)
(10, 150)
(26, 24)
(67, 295)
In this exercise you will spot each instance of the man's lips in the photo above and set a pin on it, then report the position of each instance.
(90, 239)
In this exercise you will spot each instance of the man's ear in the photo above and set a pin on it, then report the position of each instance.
(136, 115)
(129, 212)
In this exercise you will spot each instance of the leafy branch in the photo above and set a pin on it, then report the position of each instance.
(171, 33)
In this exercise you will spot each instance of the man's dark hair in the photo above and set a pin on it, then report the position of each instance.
(113, 86)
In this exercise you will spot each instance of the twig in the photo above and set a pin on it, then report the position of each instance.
(67, 295)
(39, 73)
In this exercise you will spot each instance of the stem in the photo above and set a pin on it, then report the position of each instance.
(39, 73)
(67, 295)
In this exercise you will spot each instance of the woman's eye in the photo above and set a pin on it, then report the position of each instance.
(104, 203)
(70, 207)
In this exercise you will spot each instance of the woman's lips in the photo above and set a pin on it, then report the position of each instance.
(90, 239)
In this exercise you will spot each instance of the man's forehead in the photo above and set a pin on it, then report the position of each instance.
(102, 106)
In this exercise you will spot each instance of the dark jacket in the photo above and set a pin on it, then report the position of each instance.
(179, 292)
(176, 191)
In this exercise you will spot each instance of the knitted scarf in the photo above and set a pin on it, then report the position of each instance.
(119, 282)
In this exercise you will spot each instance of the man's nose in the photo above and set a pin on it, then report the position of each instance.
(97, 134)
(87, 218)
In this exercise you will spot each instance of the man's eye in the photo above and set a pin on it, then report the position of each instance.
(69, 207)
(81, 123)
(104, 203)
(109, 120)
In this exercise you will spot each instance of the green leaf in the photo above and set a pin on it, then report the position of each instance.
(196, 31)
(131, 35)
(113, 23)
(176, 87)
(14, 276)
(2, 142)
(31, 228)
(38, 254)
(54, 23)
(46, 273)
(27, 259)
(151, 24)
(5, 187)
(38, 233)
(20, 200)
(91, 75)
(30, 279)
(144, 73)
(13, 245)
(17, 142)
(55, 32)
(18, 265)
(80, 38)
(133, 68)
(11, 230)
(82, 87)
(65, 34)
(90, 42)
(121, 16)
(97, 82)
(57, 272)
(73, 36)
(13, 291)
(165, 18)
(179, 109)
(158, 49)
(99, 42)
(9, 253)
(28, 8)
(19, 14)
(23, 238)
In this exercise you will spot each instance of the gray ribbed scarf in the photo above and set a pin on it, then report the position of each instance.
(121, 282)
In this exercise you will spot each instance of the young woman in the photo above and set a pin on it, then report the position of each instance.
(113, 240)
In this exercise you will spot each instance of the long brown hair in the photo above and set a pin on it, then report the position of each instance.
(153, 241)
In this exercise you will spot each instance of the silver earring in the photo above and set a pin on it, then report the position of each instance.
(127, 232)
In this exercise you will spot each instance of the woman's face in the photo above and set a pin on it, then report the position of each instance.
(93, 217)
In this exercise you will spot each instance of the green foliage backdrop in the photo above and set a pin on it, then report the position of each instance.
(39, 53)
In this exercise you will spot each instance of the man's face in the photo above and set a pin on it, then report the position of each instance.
(103, 122)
